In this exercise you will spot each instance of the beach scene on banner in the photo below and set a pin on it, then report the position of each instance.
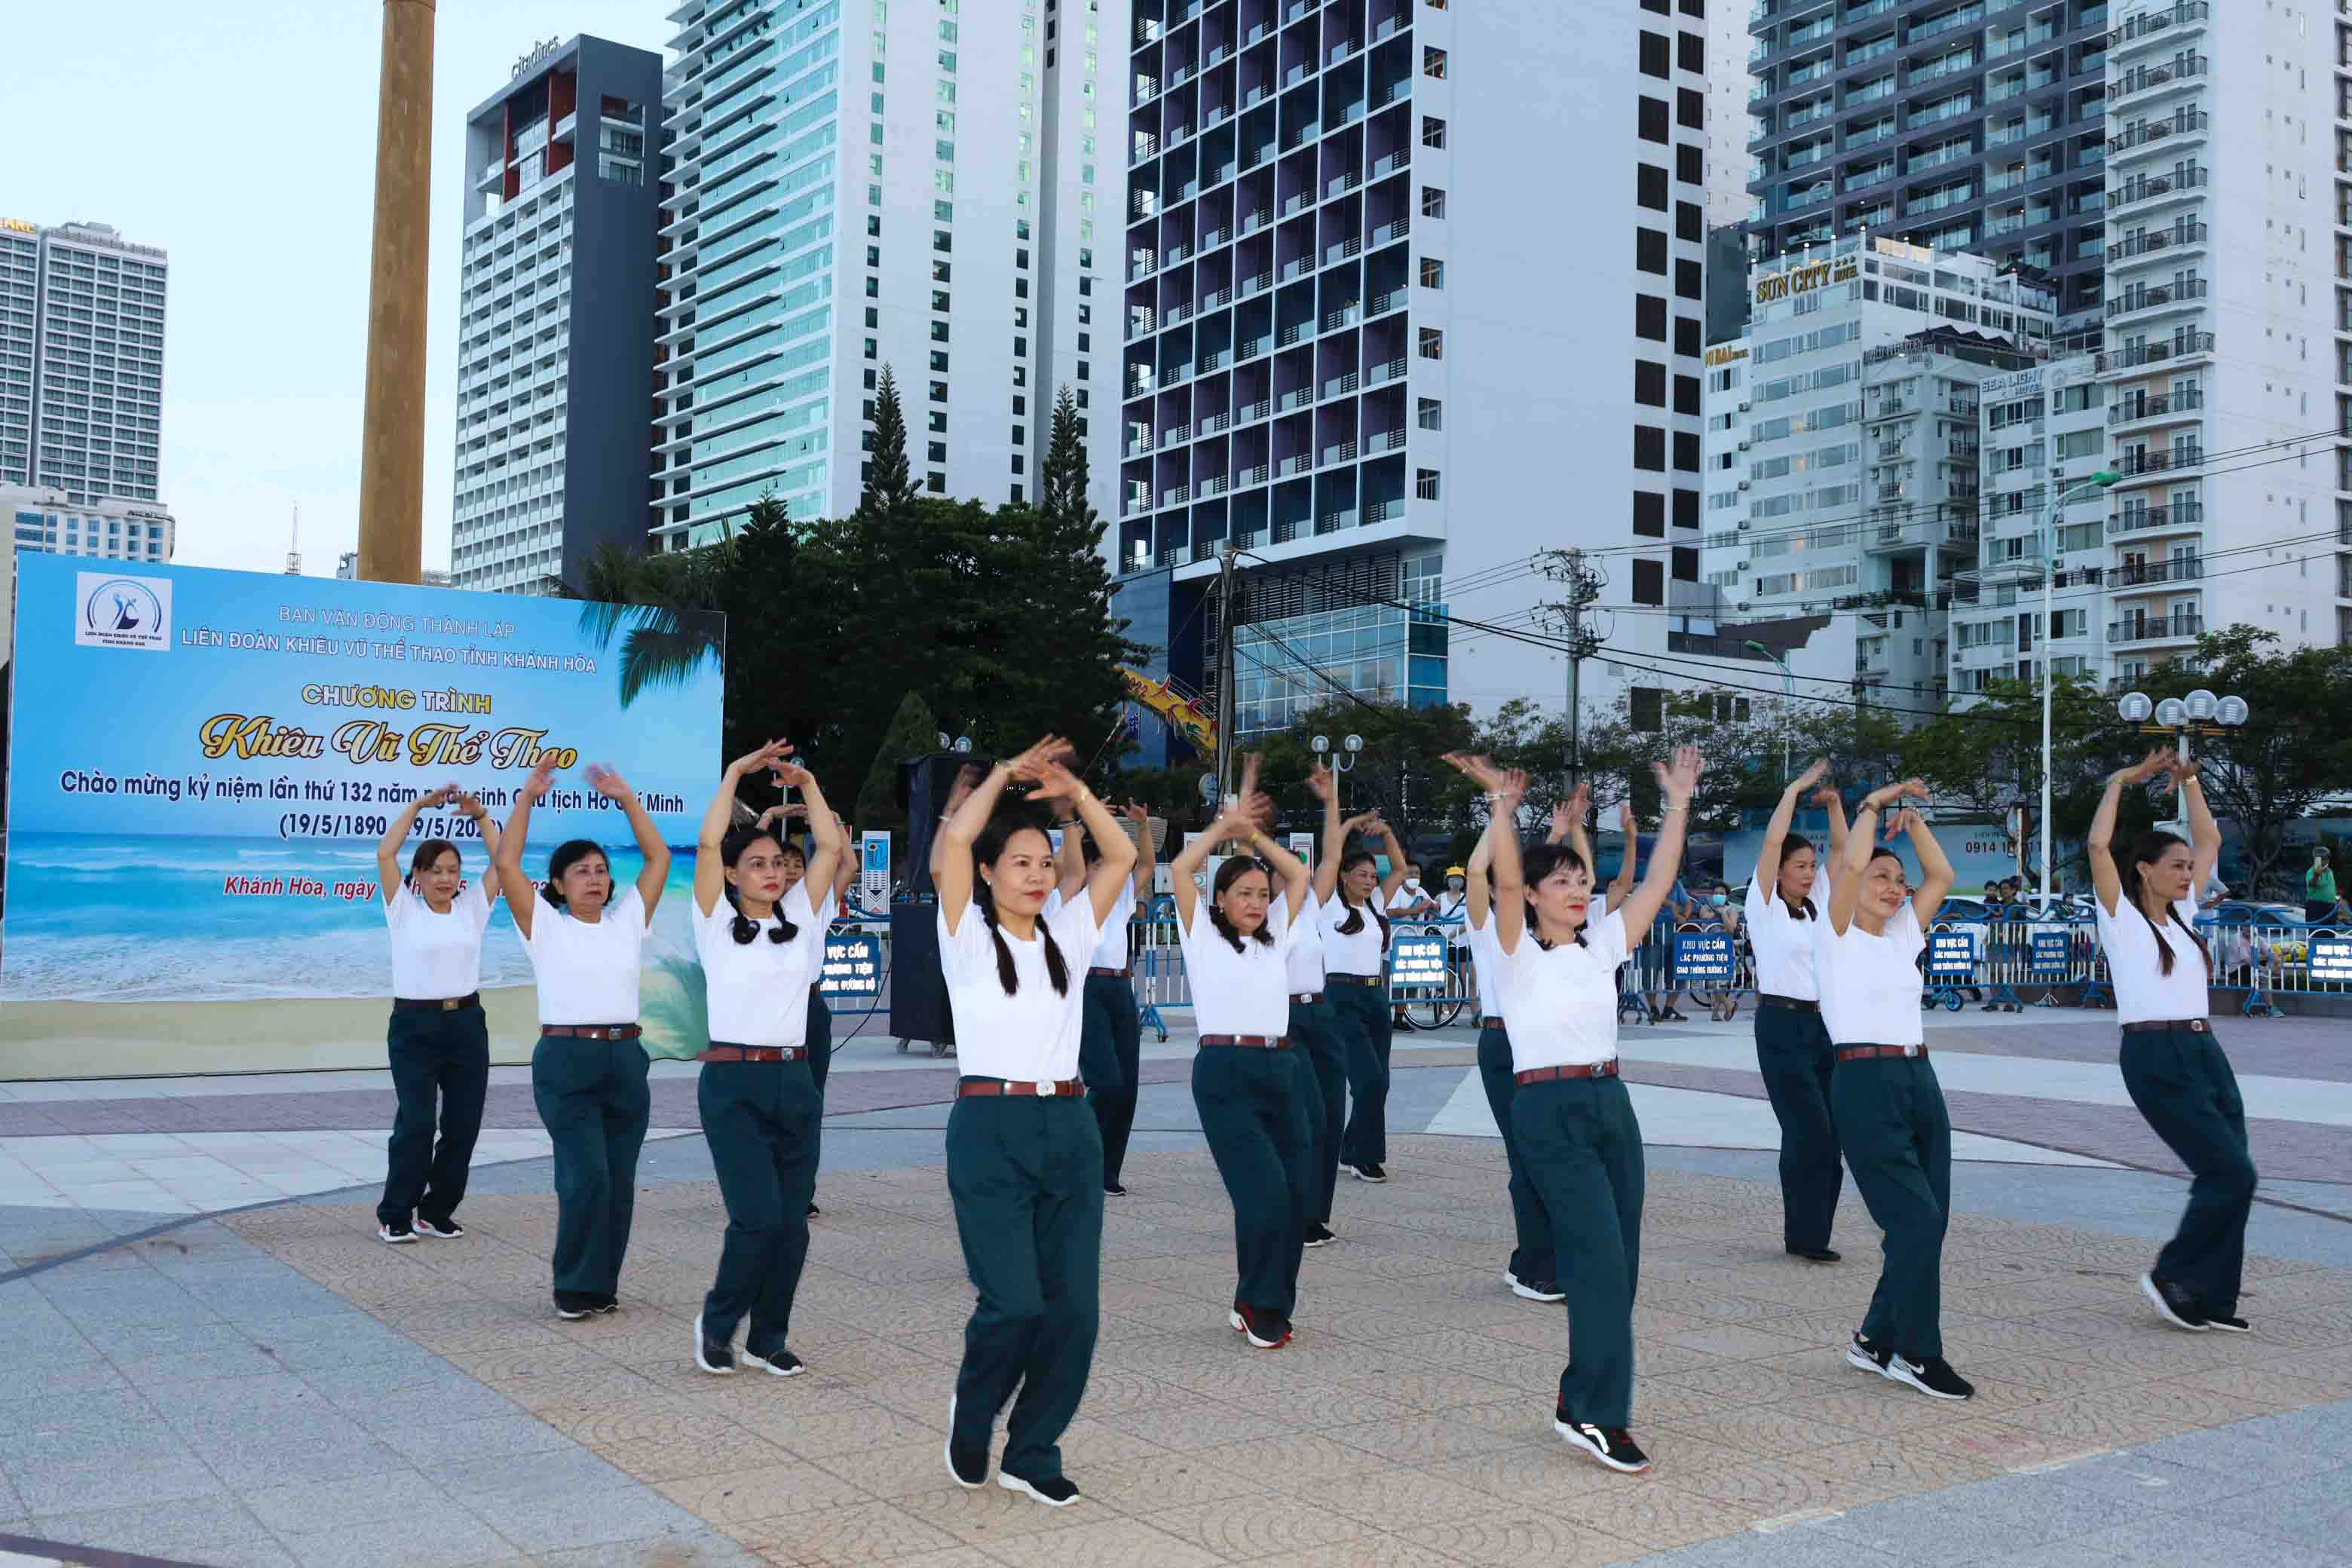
(201, 764)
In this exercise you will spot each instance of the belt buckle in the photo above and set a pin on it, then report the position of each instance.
(1047, 1089)
(2197, 1025)
(449, 1004)
(1909, 1050)
(612, 1034)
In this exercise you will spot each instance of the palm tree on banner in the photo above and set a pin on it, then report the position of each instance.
(665, 609)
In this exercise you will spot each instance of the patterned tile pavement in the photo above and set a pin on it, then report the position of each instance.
(1407, 1426)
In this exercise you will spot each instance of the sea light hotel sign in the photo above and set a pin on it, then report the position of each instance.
(1806, 279)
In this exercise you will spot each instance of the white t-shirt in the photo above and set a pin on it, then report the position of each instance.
(1360, 953)
(1244, 993)
(2143, 991)
(1110, 952)
(1563, 1002)
(757, 990)
(1870, 985)
(1304, 960)
(1784, 943)
(1486, 958)
(438, 956)
(1451, 903)
(588, 973)
(1408, 894)
(1031, 1034)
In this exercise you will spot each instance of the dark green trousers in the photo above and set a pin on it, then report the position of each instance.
(1532, 1255)
(1253, 1106)
(1111, 1060)
(440, 1073)
(1311, 1027)
(1898, 1143)
(1026, 1177)
(1792, 1052)
(590, 1095)
(2182, 1083)
(762, 1121)
(820, 1038)
(1361, 1016)
(1582, 1147)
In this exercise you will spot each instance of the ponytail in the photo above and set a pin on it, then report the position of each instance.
(2147, 849)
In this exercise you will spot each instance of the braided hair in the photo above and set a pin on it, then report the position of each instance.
(1802, 910)
(1232, 871)
(1540, 863)
(1002, 828)
(743, 928)
(1359, 856)
(2146, 851)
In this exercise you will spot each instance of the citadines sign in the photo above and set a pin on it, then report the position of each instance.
(1806, 279)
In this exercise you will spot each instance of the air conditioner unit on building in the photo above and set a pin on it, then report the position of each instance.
(1745, 405)
(1746, 442)
(1743, 484)
(1742, 526)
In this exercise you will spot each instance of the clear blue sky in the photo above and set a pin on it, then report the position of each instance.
(240, 136)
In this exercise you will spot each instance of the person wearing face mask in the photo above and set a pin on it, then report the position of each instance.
(1456, 896)
(1410, 901)
(588, 1072)
(760, 938)
(1023, 1152)
(1888, 1108)
(1575, 1123)
(2173, 1066)
(1792, 1045)
(439, 1040)
(1251, 1083)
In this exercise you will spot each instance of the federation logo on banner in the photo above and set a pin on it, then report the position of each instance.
(123, 612)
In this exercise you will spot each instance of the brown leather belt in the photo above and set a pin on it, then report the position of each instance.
(1351, 979)
(1263, 1042)
(1491, 1021)
(989, 1088)
(592, 1031)
(2160, 1026)
(1793, 1004)
(1546, 1075)
(1871, 1053)
(437, 1003)
(721, 1051)
(1112, 973)
(1304, 998)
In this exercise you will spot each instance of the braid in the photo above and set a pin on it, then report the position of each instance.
(2203, 950)
(1381, 915)
(1355, 920)
(1007, 975)
(1057, 969)
(746, 931)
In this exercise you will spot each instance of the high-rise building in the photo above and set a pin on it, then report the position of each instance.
(347, 568)
(853, 185)
(555, 299)
(1843, 452)
(110, 528)
(1359, 347)
(1972, 125)
(1729, 86)
(2223, 375)
(81, 360)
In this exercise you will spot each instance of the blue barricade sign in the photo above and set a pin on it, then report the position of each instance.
(1418, 961)
(1951, 955)
(1704, 957)
(2050, 951)
(2331, 960)
(853, 969)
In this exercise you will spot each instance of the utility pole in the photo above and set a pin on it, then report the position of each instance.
(1583, 582)
(1225, 626)
(391, 430)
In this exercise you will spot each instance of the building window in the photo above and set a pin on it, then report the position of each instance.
(1690, 166)
(1432, 272)
(1649, 448)
(1649, 515)
(1686, 451)
(1650, 318)
(1433, 130)
(1650, 251)
(1686, 336)
(1649, 384)
(1425, 484)
(1685, 563)
(1433, 342)
(1019, 436)
(1687, 280)
(1433, 62)
(1657, 55)
(939, 392)
(937, 483)
(1646, 707)
(1650, 187)
(938, 363)
(1653, 120)
(1685, 509)
(1649, 582)
(938, 422)
(936, 451)
(1690, 52)
(1690, 222)
(873, 319)
(1432, 202)
(1429, 414)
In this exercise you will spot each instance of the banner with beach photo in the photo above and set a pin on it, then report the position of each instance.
(201, 764)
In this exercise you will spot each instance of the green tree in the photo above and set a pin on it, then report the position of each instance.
(913, 731)
(667, 610)
(1062, 478)
(891, 483)
(1986, 758)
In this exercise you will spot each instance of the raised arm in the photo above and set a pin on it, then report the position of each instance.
(968, 779)
(470, 805)
(971, 805)
(1289, 870)
(1846, 890)
(1776, 831)
(654, 874)
(1934, 870)
(1620, 886)
(1232, 823)
(2098, 844)
(1677, 782)
(710, 876)
(1325, 788)
(1116, 860)
(1477, 898)
(1070, 860)
(387, 849)
(507, 858)
(1395, 878)
(1145, 854)
(1827, 798)
(830, 851)
(1499, 847)
(2204, 834)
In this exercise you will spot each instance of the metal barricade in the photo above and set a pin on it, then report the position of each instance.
(2265, 961)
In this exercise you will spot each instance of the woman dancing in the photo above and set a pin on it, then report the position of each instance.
(1111, 1046)
(2173, 1066)
(1792, 1047)
(1353, 896)
(439, 1041)
(1250, 1082)
(828, 903)
(1577, 1133)
(1315, 1026)
(588, 1072)
(1883, 1097)
(1025, 1157)
(760, 940)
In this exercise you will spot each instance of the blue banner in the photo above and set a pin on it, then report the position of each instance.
(2331, 960)
(853, 971)
(1703, 958)
(1951, 955)
(2050, 951)
(1417, 963)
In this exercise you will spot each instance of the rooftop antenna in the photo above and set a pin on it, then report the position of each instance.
(294, 545)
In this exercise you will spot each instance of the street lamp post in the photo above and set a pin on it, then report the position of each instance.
(2098, 482)
(1343, 762)
(1788, 700)
(2199, 713)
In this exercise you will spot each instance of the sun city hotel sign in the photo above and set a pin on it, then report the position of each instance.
(1804, 279)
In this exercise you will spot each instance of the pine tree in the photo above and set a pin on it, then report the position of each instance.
(913, 731)
(1061, 482)
(892, 483)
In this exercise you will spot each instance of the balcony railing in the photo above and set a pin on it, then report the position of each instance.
(2156, 628)
(2156, 406)
(2158, 239)
(2139, 298)
(2184, 345)
(2148, 187)
(2132, 464)
(2146, 78)
(2141, 134)
(2148, 573)
(2142, 519)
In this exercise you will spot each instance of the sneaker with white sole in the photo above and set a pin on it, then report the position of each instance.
(1860, 1352)
(395, 1233)
(439, 1229)
(711, 1355)
(2173, 1303)
(1369, 1172)
(1533, 1290)
(574, 1305)
(1264, 1331)
(1318, 1233)
(778, 1363)
(1612, 1446)
(967, 1462)
(1055, 1492)
(2228, 1324)
(1933, 1378)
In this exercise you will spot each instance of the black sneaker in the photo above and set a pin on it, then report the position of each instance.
(1368, 1172)
(2174, 1303)
(1612, 1446)
(1318, 1233)
(1264, 1331)
(812, 1211)
(606, 1306)
(439, 1229)
(779, 1362)
(1813, 1254)
(1055, 1493)
(1933, 1378)
(2228, 1324)
(1533, 1290)
(967, 1462)
(1113, 1190)
(1860, 1352)
(574, 1305)
(396, 1233)
(711, 1355)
